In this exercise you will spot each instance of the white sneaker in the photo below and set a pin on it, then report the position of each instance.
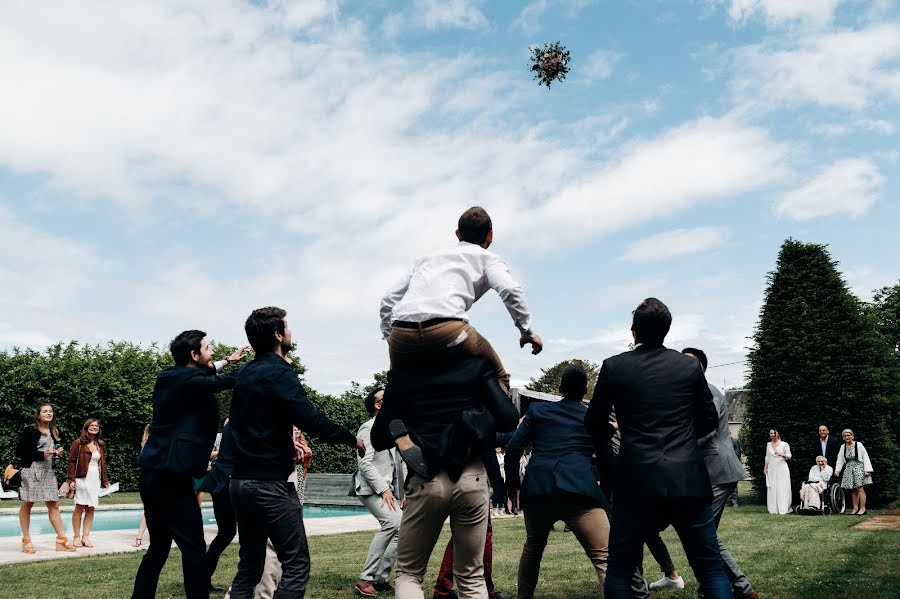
(665, 583)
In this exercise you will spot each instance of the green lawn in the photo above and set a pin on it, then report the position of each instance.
(784, 557)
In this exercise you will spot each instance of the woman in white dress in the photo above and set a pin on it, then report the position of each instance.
(87, 469)
(854, 468)
(778, 475)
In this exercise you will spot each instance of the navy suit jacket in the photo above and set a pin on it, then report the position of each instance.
(185, 420)
(561, 451)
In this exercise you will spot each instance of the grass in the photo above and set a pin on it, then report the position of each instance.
(783, 556)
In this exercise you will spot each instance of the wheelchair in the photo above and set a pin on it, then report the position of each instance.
(831, 501)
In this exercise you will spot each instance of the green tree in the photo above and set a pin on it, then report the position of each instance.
(885, 310)
(816, 358)
(550, 378)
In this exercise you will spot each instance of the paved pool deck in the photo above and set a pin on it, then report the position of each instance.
(120, 541)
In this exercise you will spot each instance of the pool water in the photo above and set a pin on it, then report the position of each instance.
(129, 519)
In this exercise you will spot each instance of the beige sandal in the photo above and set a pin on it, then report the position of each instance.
(63, 544)
(86, 542)
(77, 541)
(28, 546)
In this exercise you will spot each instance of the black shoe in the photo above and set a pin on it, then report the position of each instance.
(497, 595)
(409, 451)
(216, 588)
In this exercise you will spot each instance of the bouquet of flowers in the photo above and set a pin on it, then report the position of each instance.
(550, 63)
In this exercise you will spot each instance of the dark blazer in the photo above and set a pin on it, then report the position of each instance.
(268, 401)
(832, 447)
(26, 450)
(663, 406)
(561, 451)
(185, 420)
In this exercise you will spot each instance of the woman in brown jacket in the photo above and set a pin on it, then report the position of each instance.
(87, 471)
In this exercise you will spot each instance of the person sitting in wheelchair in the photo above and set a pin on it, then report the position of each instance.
(816, 483)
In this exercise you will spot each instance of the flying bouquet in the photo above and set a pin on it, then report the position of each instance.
(550, 63)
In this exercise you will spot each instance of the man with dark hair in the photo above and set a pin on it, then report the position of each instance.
(663, 406)
(379, 485)
(426, 312)
(826, 445)
(268, 401)
(453, 406)
(182, 434)
(725, 470)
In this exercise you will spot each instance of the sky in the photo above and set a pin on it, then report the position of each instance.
(175, 164)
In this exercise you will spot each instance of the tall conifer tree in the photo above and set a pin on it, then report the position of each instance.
(817, 359)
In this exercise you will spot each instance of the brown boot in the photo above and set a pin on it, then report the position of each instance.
(365, 588)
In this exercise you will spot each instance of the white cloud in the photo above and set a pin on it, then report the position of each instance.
(600, 64)
(816, 13)
(855, 70)
(530, 17)
(435, 14)
(677, 242)
(849, 186)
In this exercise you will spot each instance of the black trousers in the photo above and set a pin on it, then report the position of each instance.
(172, 513)
(269, 509)
(227, 524)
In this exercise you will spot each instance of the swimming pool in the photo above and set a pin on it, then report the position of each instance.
(128, 519)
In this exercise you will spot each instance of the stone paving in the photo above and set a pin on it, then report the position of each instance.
(120, 541)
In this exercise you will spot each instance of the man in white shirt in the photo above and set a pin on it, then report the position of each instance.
(426, 312)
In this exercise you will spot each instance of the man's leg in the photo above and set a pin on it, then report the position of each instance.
(477, 345)
(155, 490)
(591, 527)
(739, 583)
(696, 527)
(631, 522)
(444, 583)
(539, 519)
(271, 576)
(660, 553)
(383, 548)
(227, 525)
(252, 537)
(468, 523)
(427, 505)
(280, 510)
(186, 527)
(489, 558)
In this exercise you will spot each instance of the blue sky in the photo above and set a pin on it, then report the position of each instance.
(174, 165)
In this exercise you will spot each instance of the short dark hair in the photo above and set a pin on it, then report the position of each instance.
(699, 354)
(369, 402)
(182, 346)
(474, 225)
(651, 321)
(574, 381)
(261, 326)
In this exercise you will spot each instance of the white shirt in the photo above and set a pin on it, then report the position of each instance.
(446, 283)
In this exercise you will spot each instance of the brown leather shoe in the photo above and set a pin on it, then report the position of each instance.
(365, 588)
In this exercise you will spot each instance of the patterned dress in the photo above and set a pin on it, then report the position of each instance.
(854, 475)
(38, 481)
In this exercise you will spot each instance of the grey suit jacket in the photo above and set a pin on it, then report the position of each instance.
(723, 466)
(378, 470)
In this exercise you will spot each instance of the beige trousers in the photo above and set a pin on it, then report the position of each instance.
(586, 519)
(428, 503)
(410, 346)
(271, 576)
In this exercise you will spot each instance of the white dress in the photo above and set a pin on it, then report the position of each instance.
(87, 489)
(778, 479)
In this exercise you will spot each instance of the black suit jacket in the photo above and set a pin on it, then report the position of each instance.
(832, 447)
(185, 420)
(663, 406)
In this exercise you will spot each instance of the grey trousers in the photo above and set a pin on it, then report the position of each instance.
(383, 548)
(739, 583)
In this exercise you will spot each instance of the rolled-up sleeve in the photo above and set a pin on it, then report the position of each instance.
(390, 299)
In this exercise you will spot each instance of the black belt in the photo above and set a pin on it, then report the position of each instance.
(405, 324)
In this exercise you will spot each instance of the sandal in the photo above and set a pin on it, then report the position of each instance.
(28, 546)
(63, 544)
(137, 542)
(77, 541)
(85, 542)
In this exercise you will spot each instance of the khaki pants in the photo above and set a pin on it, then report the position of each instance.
(586, 519)
(407, 347)
(270, 578)
(428, 503)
